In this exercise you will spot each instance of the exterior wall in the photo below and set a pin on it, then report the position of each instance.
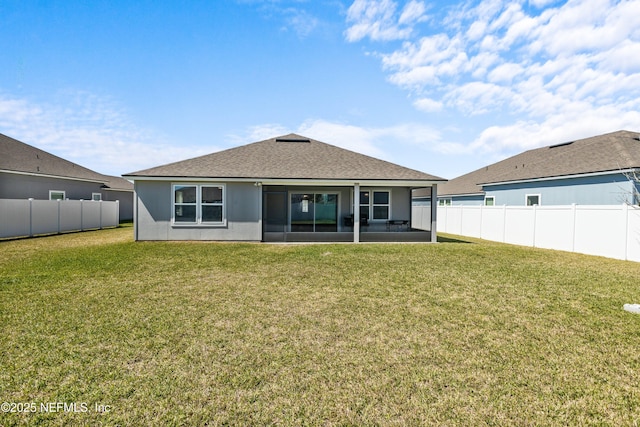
(467, 200)
(126, 202)
(243, 205)
(612, 189)
(154, 206)
(400, 203)
(17, 186)
(475, 200)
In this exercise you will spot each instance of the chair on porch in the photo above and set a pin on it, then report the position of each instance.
(347, 221)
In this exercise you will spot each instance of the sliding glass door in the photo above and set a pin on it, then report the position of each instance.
(314, 212)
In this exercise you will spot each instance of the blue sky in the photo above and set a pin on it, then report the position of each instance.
(443, 87)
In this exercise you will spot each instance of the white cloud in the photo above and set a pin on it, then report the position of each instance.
(428, 105)
(300, 21)
(90, 131)
(380, 19)
(555, 71)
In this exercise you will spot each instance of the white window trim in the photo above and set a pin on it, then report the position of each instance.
(492, 198)
(526, 197)
(373, 205)
(64, 194)
(93, 195)
(199, 204)
(446, 201)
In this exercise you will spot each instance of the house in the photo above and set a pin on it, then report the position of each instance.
(27, 172)
(288, 188)
(590, 171)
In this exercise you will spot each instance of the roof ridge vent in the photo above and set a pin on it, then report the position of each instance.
(292, 139)
(561, 144)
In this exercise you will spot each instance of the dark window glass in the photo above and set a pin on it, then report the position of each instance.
(380, 212)
(211, 213)
(380, 197)
(185, 213)
(211, 194)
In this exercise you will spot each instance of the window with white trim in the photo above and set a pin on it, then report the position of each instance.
(56, 195)
(96, 197)
(444, 202)
(532, 199)
(198, 204)
(489, 200)
(381, 205)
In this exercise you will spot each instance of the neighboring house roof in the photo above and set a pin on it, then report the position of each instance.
(287, 157)
(610, 152)
(18, 157)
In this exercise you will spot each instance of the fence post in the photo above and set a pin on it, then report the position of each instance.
(81, 214)
(504, 223)
(535, 221)
(573, 227)
(100, 201)
(625, 211)
(30, 217)
(481, 221)
(58, 216)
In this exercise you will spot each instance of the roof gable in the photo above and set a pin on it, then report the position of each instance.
(604, 153)
(287, 157)
(18, 157)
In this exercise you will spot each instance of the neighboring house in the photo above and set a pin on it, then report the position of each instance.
(28, 172)
(289, 188)
(590, 171)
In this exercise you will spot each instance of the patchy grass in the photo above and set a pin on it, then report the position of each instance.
(248, 334)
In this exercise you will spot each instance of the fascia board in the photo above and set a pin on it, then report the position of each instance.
(292, 181)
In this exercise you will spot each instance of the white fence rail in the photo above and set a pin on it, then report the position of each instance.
(27, 218)
(609, 231)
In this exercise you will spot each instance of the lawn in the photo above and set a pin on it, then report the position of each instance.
(98, 329)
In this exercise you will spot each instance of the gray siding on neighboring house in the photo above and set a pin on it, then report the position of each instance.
(610, 189)
(475, 200)
(23, 186)
(125, 198)
(154, 210)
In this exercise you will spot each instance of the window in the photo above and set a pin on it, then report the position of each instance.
(198, 204)
(56, 195)
(365, 205)
(375, 205)
(314, 212)
(381, 205)
(489, 201)
(96, 197)
(444, 202)
(532, 199)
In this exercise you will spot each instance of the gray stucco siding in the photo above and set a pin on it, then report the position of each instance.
(153, 205)
(594, 190)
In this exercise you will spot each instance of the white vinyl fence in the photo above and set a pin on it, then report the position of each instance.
(609, 231)
(27, 218)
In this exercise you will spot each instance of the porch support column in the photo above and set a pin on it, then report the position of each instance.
(434, 213)
(356, 213)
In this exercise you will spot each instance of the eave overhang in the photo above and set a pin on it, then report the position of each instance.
(559, 177)
(295, 181)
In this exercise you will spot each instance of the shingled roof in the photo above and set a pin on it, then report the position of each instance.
(604, 153)
(287, 157)
(16, 156)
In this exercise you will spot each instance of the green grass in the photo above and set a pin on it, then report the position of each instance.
(459, 333)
